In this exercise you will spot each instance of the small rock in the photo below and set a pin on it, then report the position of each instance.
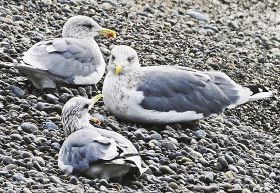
(221, 160)
(16, 136)
(232, 168)
(197, 15)
(173, 166)
(166, 170)
(169, 145)
(230, 175)
(148, 9)
(82, 91)
(5, 20)
(50, 125)
(2, 34)
(241, 162)
(65, 90)
(26, 190)
(156, 136)
(204, 162)
(17, 17)
(55, 180)
(28, 127)
(73, 180)
(139, 135)
(37, 166)
(6, 160)
(40, 106)
(173, 185)
(19, 177)
(51, 98)
(209, 177)
(2, 119)
(275, 52)
(252, 152)
(245, 190)
(229, 159)
(233, 25)
(211, 28)
(196, 154)
(200, 134)
(17, 91)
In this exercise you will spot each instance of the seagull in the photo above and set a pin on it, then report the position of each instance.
(73, 59)
(169, 94)
(94, 152)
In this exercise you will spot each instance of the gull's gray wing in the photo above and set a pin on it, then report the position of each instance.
(85, 147)
(63, 57)
(88, 148)
(224, 82)
(172, 89)
(126, 148)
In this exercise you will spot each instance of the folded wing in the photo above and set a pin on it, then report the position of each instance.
(172, 89)
(79, 151)
(63, 57)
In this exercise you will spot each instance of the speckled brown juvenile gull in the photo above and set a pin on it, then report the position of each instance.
(168, 94)
(73, 59)
(94, 152)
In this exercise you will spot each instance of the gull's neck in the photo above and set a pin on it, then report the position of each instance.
(71, 124)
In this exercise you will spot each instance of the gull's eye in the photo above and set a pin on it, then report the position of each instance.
(130, 59)
(86, 106)
(88, 25)
(113, 57)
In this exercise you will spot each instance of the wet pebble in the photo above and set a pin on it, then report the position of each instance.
(223, 162)
(19, 177)
(197, 15)
(16, 136)
(55, 179)
(200, 134)
(50, 125)
(168, 145)
(17, 91)
(28, 127)
(166, 170)
(208, 177)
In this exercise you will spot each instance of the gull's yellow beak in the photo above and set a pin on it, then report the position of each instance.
(107, 33)
(118, 69)
(96, 98)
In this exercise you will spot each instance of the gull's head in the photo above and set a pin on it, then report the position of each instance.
(123, 58)
(84, 27)
(75, 113)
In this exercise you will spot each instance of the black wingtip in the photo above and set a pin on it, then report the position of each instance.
(257, 88)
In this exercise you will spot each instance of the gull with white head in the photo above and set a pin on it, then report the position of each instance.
(94, 152)
(73, 59)
(169, 94)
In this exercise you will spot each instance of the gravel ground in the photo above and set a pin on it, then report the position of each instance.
(236, 152)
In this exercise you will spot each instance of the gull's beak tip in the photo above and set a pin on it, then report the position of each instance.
(108, 33)
(95, 120)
